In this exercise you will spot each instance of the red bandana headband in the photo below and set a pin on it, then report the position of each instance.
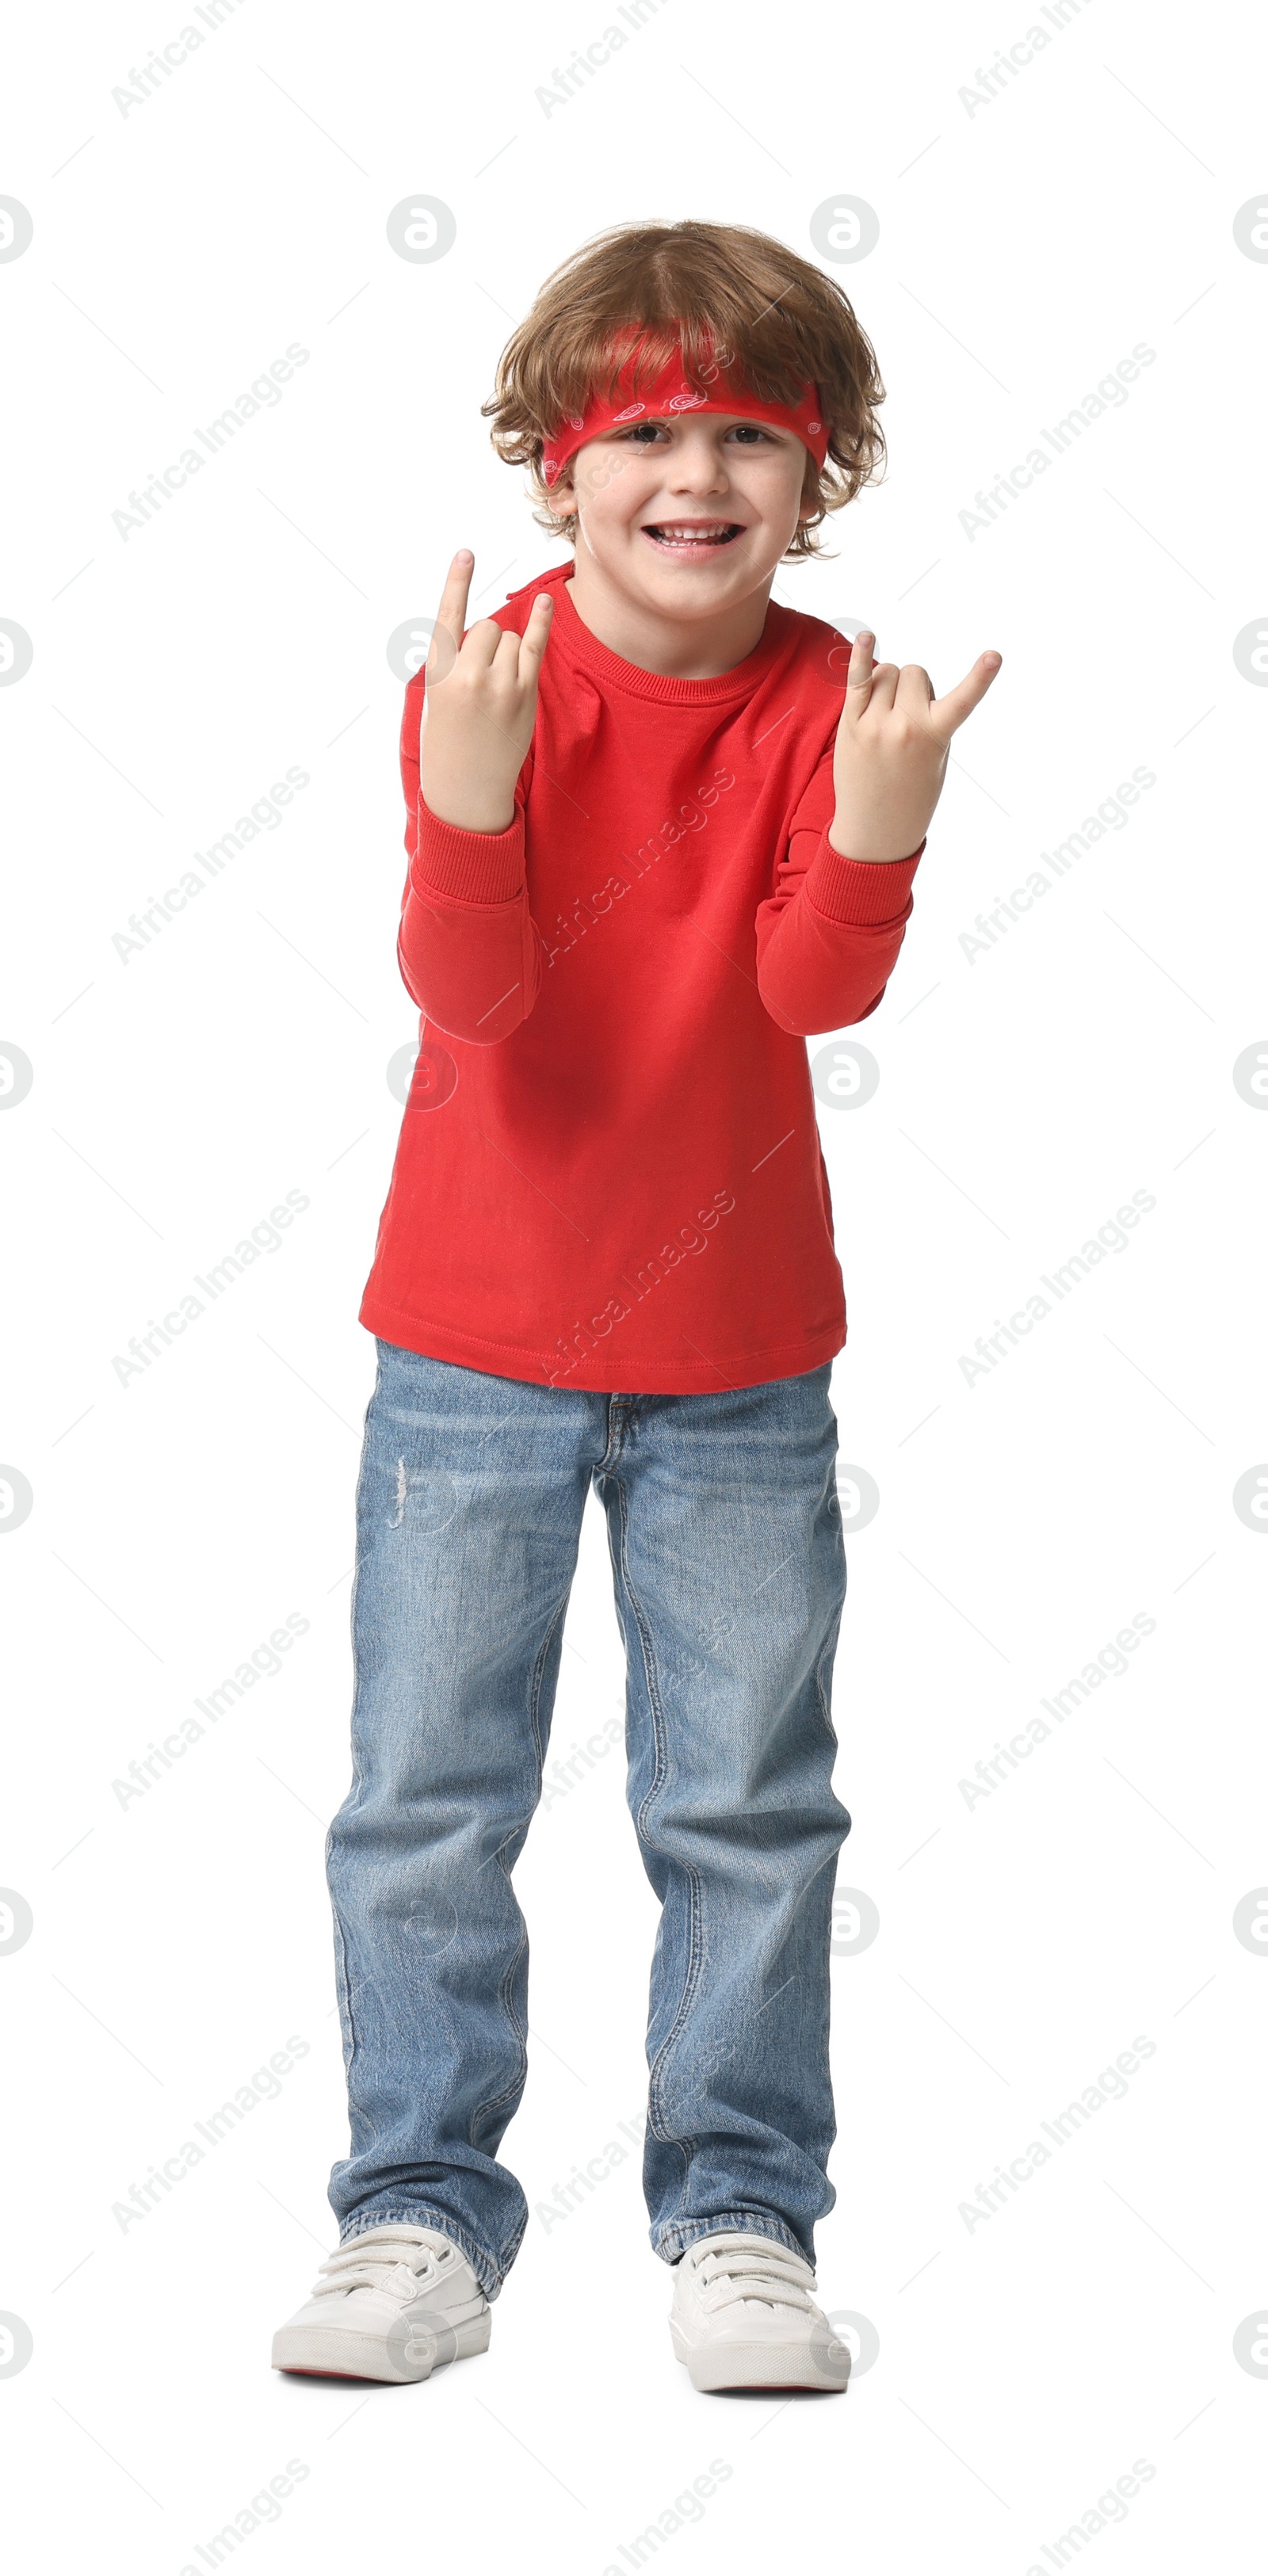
(670, 394)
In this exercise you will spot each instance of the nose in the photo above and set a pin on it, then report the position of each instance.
(697, 464)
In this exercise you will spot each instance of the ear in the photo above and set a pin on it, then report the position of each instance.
(560, 496)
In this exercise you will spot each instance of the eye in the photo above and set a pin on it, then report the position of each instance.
(748, 431)
(644, 432)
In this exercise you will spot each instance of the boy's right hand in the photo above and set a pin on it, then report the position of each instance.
(479, 708)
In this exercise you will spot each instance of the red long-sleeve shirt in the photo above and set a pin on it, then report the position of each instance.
(609, 1173)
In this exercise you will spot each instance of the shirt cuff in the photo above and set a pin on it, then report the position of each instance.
(472, 867)
(864, 892)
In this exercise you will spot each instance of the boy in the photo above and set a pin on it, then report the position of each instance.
(660, 830)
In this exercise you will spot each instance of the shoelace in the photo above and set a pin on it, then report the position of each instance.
(369, 2263)
(741, 2267)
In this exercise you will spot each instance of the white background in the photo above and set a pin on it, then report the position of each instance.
(1025, 1940)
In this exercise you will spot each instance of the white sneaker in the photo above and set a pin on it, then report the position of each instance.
(394, 2304)
(743, 2317)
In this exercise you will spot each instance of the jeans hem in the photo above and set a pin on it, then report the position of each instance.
(672, 2242)
(488, 2272)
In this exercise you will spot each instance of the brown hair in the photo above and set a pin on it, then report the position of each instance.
(732, 291)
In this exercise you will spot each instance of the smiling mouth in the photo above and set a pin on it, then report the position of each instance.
(687, 536)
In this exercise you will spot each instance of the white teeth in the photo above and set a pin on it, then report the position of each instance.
(692, 536)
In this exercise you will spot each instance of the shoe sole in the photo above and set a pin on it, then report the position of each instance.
(716, 2368)
(330, 2352)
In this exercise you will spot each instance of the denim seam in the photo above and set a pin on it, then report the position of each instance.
(535, 1686)
(510, 2092)
(825, 1704)
(827, 1654)
(345, 1998)
(342, 1979)
(684, 2147)
(489, 2273)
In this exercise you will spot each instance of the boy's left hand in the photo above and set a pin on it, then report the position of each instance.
(891, 751)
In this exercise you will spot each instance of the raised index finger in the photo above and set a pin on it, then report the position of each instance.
(451, 617)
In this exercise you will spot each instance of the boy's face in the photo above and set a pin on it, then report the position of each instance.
(686, 516)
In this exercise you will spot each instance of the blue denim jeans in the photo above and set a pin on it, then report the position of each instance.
(725, 1538)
